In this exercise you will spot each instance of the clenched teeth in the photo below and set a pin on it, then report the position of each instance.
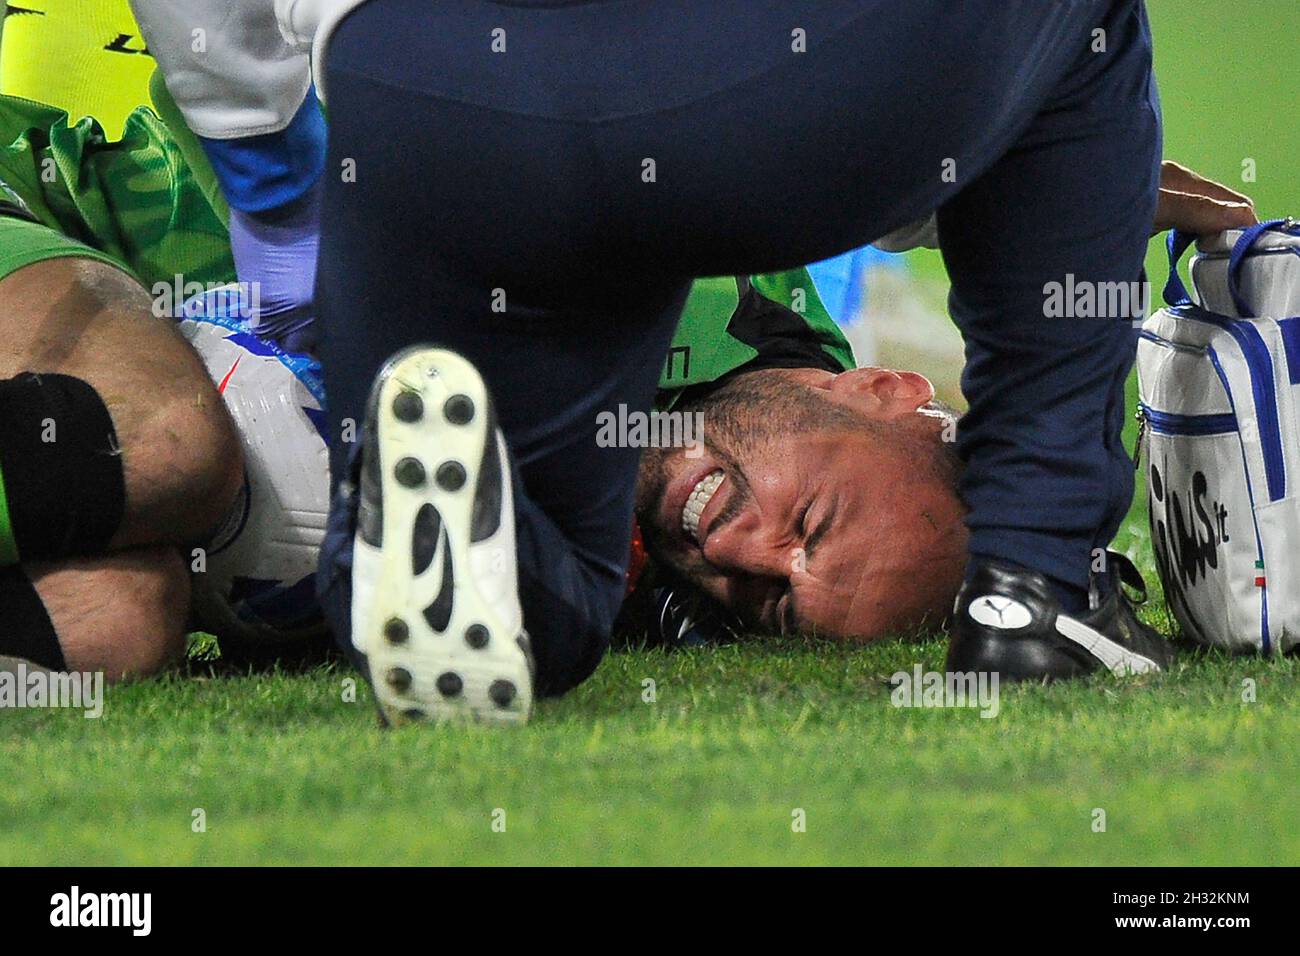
(697, 501)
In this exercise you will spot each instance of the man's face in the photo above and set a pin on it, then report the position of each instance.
(819, 503)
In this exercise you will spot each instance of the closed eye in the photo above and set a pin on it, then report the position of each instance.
(801, 525)
(785, 613)
(814, 537)
(783, 616)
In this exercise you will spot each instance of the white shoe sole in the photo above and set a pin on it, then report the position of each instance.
(477, 667)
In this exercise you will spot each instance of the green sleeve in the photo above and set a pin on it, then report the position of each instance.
(134, 200)
(195, 159)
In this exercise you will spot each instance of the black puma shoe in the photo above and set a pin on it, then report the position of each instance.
(435, 600)
(1008, 621)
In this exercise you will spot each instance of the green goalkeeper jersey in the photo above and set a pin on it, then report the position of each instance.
(136, 202)
(149, 203)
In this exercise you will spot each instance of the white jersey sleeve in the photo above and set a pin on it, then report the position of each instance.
(226, 63)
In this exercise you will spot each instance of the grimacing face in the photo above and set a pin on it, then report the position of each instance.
(818, 503)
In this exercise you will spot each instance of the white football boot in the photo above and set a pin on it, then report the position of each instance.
(435, 598)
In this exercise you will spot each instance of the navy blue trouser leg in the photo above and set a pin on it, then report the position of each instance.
(1048, 479)
(542, 208)
(573, 501)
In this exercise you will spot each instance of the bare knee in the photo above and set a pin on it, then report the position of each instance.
(195, 443)
(181, 455)
(123, 615)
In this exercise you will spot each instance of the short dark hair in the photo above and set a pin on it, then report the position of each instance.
(791, 407)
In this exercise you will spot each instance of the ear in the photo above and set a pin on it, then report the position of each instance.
(882, 392)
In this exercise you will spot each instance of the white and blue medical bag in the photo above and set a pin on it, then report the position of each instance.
(1219, 387)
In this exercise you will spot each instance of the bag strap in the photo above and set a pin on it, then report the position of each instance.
(1242, 249)
(1176, 244)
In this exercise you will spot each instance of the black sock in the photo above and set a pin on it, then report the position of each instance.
(25, 627)
(60, 466)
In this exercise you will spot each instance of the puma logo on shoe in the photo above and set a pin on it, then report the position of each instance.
(992, 610)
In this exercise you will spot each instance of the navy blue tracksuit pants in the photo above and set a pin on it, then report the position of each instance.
(590, 158)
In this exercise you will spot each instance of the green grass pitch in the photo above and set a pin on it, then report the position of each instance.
(738, 740)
